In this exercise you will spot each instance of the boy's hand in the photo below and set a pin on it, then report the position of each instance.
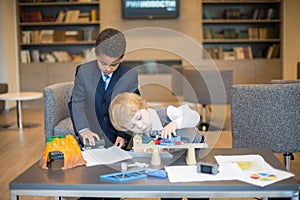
(120, 142)
(169, 130)
(89, 136)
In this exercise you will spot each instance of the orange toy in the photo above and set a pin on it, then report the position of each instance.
(69, 147)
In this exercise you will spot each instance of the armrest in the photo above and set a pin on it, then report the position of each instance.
(56, 98)
(3, 89)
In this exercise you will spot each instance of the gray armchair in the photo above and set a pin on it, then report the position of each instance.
(177, 79)
(210, 87)
(288, 156)
(266, 115)
(3, 89)
(57, 121)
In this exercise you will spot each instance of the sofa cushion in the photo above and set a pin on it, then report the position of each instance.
(64, 127)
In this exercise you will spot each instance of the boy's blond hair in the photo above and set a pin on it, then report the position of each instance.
(123, 108)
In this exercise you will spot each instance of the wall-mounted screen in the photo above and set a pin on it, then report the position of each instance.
(150, 9)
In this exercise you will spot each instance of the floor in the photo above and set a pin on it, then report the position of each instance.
(20, 149)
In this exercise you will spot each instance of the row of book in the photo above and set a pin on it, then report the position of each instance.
(250, 33)
(77, 16)
(34, 56)
(241, 53)
(234, 13)
(50, 36)
(268, 14)
(263, 33)
(63, 16)
(273, 51)
(238, 53)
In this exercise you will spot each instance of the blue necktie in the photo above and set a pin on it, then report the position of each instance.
(106, 81)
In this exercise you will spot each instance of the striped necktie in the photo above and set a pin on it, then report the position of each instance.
(106, 81)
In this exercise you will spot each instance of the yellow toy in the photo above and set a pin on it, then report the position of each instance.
(69, 147)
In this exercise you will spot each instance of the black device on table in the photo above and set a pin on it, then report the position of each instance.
(207, 168)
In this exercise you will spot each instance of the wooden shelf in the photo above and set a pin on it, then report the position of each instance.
(253, 28)
(60, 43)
(240, 21)
(239, 1)
(253, 53)
(59, 23)
(60, 4)
(37, 22)
(240, 40)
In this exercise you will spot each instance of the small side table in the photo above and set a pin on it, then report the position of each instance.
(19, 97)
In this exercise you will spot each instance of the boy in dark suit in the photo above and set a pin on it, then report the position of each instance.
(95, 84)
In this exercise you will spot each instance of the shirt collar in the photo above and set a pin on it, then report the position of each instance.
(103, 75)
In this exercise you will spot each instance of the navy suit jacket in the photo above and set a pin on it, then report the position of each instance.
(89, 103)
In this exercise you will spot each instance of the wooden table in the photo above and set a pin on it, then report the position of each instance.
(19, 97)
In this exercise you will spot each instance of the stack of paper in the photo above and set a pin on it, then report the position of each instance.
(247, 168)
(105, 156)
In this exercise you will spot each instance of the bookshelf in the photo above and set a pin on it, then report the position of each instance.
(53, 38)
(239, 30)
(56, 31)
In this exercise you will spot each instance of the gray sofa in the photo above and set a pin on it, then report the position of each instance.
(57, 121)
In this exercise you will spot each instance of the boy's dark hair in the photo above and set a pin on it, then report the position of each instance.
(110, 42)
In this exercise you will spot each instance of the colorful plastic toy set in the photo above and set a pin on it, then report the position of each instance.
(168, 141)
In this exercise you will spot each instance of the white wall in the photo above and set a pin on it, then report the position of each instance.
(291, 41)
(2, 46)
(187, 25)
(8, 39)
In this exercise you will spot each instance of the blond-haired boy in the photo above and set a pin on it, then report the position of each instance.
(130, 112)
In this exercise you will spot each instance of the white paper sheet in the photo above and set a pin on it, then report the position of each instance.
(253, 169)
(189, 174)
(248, 168)
(105, 156)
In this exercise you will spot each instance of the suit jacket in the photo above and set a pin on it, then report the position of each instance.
(89, 103)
